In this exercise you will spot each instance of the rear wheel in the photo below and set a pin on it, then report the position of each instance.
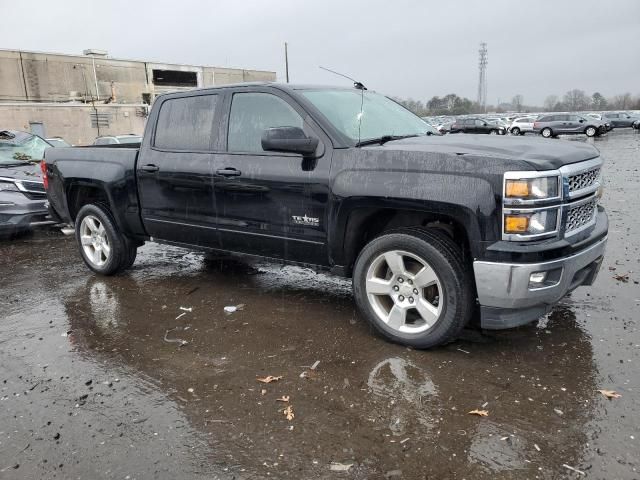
(590, 131)
(546, 132)
(103, 248)
(413, 287)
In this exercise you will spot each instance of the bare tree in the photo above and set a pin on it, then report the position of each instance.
(621, 102)
(550, 102)
(576, 100)
(516, 103)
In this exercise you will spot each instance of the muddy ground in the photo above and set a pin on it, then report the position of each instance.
(91, 389)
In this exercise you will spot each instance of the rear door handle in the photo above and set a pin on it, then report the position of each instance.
(229, 172)
(151, 168)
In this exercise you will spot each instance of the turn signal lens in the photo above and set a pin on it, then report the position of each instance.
(517, 188)
(516, 224)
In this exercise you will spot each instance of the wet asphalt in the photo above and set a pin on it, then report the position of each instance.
(98, 382)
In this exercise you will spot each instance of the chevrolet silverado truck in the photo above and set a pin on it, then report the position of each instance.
(435, 231)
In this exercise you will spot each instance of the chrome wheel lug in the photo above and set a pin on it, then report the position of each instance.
(400, 280)
(410, 282)
(415, 290)
(396, 288)
(401, 298)
(410, 299)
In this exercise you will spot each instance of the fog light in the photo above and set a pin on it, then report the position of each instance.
(538, 277)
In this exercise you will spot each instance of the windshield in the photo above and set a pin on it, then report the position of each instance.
(31, 149)
(380, 115)
(132, 139)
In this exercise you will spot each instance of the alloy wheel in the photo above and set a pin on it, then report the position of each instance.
(94, 240)
(404, 291)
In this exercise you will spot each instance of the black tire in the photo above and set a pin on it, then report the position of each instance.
(590, 131)
(446, 259)
(548, 133)
(493, 132)
(515, 131)
(122, 251)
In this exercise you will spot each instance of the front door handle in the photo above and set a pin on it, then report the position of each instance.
(151, 168)
(228, 172)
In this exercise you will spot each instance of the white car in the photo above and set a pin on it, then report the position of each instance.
(521, 125)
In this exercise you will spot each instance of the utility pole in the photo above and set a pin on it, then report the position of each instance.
(482, 81)
(286, 61)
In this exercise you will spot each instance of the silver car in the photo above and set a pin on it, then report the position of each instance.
(555, 124)
(521, 125)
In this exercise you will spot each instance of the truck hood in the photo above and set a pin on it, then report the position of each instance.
(539, 153)
(28, 171)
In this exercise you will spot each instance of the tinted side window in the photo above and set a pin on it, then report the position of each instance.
(480, 123)
(470, 121)
(186, 123)
(251, 114)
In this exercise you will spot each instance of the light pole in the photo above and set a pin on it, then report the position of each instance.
(100, 53)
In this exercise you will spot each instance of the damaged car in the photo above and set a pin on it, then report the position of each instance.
(23, 199)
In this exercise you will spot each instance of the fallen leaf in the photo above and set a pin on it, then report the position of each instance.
(480, 413)
(622, 277)
(610, 393)
(284, 398)
(263, 391)
(288, 412)
(268, 379)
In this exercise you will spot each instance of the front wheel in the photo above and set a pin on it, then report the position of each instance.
(103, 248)
(590, 131)
(493, 132)
(413, 287)
(546, 132)
(515, 131)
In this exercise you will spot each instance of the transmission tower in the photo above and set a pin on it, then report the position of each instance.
(482, 82)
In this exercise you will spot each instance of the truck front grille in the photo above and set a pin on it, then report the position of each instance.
(34, 187)
(580, 216)
(583, 180)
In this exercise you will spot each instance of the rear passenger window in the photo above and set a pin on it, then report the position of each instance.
(251, 114)
(186, 123)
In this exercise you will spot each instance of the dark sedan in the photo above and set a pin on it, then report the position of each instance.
(619, 119)
(22, 194)
(477, 125)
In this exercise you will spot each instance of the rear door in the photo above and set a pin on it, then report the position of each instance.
(270, 203)
(175, 179)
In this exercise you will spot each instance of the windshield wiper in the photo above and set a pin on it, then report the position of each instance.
(383, 139)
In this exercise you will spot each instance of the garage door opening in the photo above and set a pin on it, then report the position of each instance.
(175, 78)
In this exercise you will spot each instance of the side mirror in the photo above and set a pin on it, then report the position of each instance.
(288, 139)
(581, 120)
(485, 124)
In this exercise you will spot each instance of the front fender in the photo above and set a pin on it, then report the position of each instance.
(468, 201)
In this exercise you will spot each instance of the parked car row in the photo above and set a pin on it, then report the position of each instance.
(545, 124)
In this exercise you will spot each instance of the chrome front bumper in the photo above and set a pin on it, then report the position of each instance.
(508, 298)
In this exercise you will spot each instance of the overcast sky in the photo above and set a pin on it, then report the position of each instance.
(405, 48)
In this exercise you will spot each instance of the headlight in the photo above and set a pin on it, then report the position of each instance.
(530, 224)
(541, 188)
(8, 187)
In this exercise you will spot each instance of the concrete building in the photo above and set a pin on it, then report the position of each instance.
(74, 96)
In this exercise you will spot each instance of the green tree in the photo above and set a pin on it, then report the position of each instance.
(598, 101)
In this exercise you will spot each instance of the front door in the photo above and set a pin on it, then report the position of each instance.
(174, 173)
(269, 203)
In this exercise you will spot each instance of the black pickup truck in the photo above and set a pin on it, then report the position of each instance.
(434, 230)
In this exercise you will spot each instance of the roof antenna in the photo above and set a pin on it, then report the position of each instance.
(358, 86)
